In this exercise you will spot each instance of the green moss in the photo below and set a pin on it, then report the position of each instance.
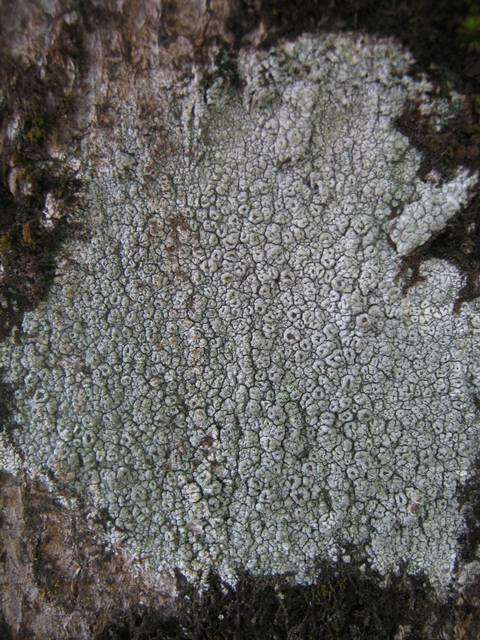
(469, 29)
(5, 243)
(471, 26)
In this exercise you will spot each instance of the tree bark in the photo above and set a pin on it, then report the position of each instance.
(239, 322)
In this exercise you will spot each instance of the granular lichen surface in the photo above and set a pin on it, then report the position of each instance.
(228, 367)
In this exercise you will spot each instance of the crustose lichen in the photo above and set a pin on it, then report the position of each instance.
(228, 367)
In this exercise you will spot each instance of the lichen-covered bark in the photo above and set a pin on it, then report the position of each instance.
(226, 367)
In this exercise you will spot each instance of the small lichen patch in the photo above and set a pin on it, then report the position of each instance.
(228, 367)
(426, 217)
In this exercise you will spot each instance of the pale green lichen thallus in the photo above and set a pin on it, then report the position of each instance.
(228, 366)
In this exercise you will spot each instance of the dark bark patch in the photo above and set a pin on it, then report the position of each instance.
(346, 601)
(40, 104)
(469, 498)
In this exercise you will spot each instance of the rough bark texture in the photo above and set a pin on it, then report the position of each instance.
(56, 580)
(71, 69)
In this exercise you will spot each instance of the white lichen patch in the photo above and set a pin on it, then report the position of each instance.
(430, 214)
(228, 366)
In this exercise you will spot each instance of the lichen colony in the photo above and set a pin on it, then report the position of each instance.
(228, 367)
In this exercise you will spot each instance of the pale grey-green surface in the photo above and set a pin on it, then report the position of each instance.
(228, 366)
